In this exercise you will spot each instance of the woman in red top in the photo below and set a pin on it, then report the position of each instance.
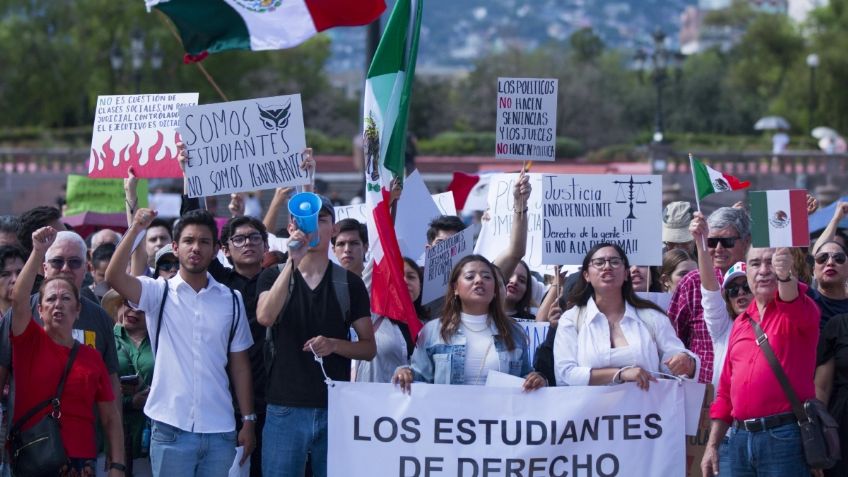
(39, 356)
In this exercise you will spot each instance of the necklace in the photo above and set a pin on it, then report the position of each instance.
(484, 328)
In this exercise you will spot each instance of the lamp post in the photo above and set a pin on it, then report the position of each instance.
(116, 60)
(658, 61)
(812, 63)
(137, 56)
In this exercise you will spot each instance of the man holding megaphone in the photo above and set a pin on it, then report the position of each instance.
(309, 304)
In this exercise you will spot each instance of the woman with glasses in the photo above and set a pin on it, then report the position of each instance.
(608, 335)
(473, 336)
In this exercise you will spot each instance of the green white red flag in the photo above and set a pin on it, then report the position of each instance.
(210, 26)
(709, 181)
(779, 218)
(388, 87)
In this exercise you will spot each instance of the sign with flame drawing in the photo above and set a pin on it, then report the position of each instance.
(137, 131)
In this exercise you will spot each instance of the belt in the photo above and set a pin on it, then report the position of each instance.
(765, 423)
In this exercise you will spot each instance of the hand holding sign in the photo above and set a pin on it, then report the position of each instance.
(403, 378)
(236, 205)
(521, 192)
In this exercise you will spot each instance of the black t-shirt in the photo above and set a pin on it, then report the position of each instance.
(296, 379)
(828, 306)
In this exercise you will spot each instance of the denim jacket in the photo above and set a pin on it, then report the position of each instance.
(437, 362)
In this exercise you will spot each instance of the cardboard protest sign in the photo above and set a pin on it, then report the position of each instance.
(779, 218)
(495, 233)
(244, 145)
(84, 194)
(448, 430)
(582, 210)
(137, 131)
(526, 124)
(439, 262)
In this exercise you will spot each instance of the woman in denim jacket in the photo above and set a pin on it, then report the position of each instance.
(473, 336)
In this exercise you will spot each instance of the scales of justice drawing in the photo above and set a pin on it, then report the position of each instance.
(630, 192)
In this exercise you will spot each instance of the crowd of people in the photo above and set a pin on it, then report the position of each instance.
(176, 342)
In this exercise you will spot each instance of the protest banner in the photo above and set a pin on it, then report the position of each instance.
(582, 210)
(243, 145)
(526, 124)
(536, 331)
(496, 232)
(779, 218)
(696, 445)
(439, 262)
(475, 431)
(83, 194)
(137, 131)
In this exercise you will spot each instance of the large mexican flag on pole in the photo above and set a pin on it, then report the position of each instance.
(217, 25)
(388, 87)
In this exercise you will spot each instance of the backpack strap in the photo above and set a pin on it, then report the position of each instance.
(236, 318)
(56, 400)
(340, 287)
(159, 320)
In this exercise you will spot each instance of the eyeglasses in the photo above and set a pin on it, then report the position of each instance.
(169, 266)
(726, 242)
(599, 263)
(59, 263)
(240, 240)
(734, 291)
(838, 257)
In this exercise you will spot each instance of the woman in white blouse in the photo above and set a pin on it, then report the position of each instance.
(608, 335)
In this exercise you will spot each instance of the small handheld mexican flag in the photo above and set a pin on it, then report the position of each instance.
(779, 218)
(709, 181)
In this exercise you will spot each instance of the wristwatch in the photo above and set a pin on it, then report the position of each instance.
(784, 280)
(117, 466)
(249, 417)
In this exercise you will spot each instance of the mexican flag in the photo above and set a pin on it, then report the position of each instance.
(709, 180)
(216, 25)
(779, 218)
(388, 86)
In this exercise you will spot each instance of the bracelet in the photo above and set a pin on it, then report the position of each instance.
(117, 466)
(784, 280)
(131, 206)
(617, 375)
(521, 212)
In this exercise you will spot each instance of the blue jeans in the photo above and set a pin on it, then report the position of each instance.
(775, 452)
(724, 457)
(174, 452)
(291, 432)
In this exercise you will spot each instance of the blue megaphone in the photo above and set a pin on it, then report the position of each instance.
(304, 208)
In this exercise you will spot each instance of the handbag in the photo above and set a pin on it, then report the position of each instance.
(819, 430)
(38, 451)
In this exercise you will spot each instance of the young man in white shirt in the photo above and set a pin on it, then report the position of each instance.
(203, 334)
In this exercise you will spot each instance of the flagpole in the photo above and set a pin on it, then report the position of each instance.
(697, 199)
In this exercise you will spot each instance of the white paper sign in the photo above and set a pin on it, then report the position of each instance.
(450, 431)
(244, 145)
(536, 331)
(582, 210)
(355, 211)
(496, 232)
(137, 131)
(445, 203)
(415, 209)
(439, 262)
(526, 125)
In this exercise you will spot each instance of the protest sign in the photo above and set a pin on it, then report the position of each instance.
(244, 145)
(583, 210)
(536, 331)
(475, 431)
(445, 202)
(439, 262)
(137, 131)
(495, 233)
(166, 204)
(84, 194)
(355, 211)
(526, 124)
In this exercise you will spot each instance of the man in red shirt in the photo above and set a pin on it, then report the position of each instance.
(730, 236)
(765, 437)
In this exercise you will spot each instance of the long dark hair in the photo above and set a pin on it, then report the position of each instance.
(583, 290)
(419, 308)
(522, 306)
(453, 306)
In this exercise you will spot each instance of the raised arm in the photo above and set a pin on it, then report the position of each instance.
(270, 302)
(138, 262)
(700, 230)
(830, 231)
(308, 165)
(787, 284)
(116, 273)
(509, 258)
(281, 196)
(42, 239)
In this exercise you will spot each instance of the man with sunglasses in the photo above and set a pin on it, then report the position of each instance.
(727, 242)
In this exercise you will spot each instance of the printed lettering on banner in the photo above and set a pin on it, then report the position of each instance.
(582, 210)
(244, 145)
(526, 121)
(137, 131)
(450, 431)
(496, 232)
(439, 262)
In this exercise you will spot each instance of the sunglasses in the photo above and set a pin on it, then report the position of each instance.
(169, 266)
(734, 291)
(838, 257)
(726, 242)
(59, 263)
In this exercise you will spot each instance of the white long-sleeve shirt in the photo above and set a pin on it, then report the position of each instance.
(649, 334)
(719, 324)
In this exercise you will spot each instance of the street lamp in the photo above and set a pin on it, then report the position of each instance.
(137, 56)
(116, 60)
(658, 63)
(812, 63)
